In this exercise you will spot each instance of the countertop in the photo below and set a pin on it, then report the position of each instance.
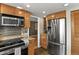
(3, 37)
(32, 37)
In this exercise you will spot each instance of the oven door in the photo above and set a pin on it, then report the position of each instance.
(9, 21)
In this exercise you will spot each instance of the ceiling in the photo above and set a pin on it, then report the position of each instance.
(37, 8)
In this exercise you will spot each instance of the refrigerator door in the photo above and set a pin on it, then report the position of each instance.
(49, 30)
(49, 23)
(62, 31)
(55, 31)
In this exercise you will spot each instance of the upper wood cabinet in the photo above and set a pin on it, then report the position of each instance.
(60, 14)
(27, 20)
(26, 16)
(6, 9)
(56, 15)
(20, 12)
(75, 32)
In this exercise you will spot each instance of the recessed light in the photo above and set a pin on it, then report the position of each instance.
(43, 12)
(66, 4)
(19, 7)
(52, 15)
(44, 16)
(27, 5)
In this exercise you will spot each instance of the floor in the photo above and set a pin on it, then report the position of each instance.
(41, 51)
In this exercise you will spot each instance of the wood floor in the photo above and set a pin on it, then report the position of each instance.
(41, 51)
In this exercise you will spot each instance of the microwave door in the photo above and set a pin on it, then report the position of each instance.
(14, 21)
(9, 21)
(4, 20)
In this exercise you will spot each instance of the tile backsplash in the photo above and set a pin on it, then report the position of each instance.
(10, 30)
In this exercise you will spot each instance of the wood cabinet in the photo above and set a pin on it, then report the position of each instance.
(27, 20)
(20, 12)
(55, 15)
(43, 40)
(75, 32)
(32, 46)
(6, 9)
(45, 26)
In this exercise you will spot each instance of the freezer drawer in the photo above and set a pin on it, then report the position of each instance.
(54, 49)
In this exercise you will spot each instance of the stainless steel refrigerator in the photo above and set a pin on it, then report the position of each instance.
(56, 36)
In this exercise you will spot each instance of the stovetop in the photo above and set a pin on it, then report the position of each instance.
(12, 43)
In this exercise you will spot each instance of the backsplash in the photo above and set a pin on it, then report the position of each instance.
(10, 30)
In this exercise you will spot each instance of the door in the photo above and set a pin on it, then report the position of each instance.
(75, 33)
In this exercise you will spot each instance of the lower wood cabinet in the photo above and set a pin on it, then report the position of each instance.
(32, 46)
(43, 41)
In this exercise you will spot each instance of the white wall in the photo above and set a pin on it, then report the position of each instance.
(68, 18)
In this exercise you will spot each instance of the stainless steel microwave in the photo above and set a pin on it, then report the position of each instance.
(11, 21)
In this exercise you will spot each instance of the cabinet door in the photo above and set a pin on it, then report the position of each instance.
(36, 43)
(27, 20)
(31, 47)
(75, 33)
(7, 9)
(43, 41)
(20, 12)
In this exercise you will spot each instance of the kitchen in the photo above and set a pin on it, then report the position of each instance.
(50, 29)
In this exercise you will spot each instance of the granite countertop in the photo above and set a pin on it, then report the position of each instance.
(32, 37)
(3, 37)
